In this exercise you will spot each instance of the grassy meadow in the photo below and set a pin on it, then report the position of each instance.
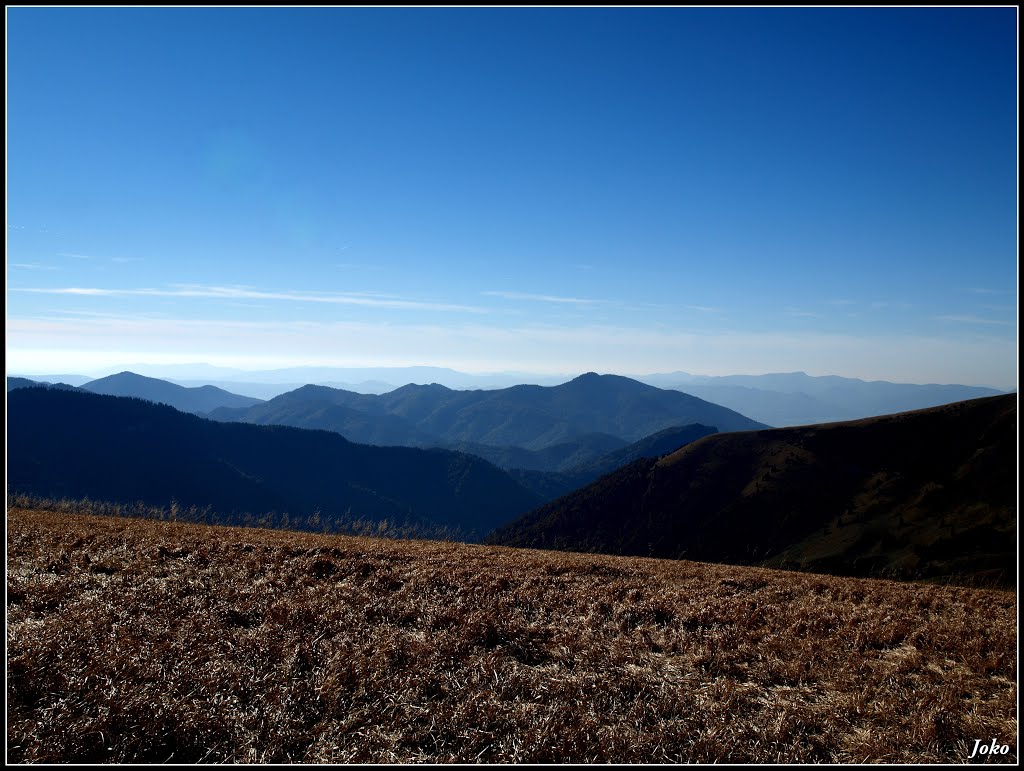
(143, 641)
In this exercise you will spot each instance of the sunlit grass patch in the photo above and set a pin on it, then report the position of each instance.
(144, 641)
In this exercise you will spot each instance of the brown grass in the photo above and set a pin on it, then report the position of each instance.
(140, 641)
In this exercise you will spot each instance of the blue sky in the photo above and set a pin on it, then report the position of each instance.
(547, 190)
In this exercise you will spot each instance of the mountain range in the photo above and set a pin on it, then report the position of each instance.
(198, 400)
(777, 399)
(921, 494)
(576, 467)
(78, 444)
(535, 428)
(590, 415)
(572, 459)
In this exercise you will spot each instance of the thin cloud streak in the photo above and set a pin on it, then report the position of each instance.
(78, 256)
(544, 298)
(985, 290)
(358, 266)
(968, 319)
(248, 293)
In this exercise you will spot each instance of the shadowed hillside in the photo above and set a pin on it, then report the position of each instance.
(77, 444)
(550, 485)
(565, 456)
(925, 494)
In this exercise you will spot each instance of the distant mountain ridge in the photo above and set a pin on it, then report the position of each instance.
(919, 494)
(529, 417)
(191, 374)
(796, 398)
(21, 382)
(200, 400)
(68, 379)
(79, 444)
(775, 399)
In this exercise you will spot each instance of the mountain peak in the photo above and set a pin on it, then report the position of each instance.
(593, 379)
(199, 400)
(312, 389)
(125, 378)
(127, 375)
(421, 388)
(588, 377)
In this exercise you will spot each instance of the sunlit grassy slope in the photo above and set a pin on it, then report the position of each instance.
(138, 641)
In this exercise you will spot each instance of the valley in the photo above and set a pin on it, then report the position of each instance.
(921, 495)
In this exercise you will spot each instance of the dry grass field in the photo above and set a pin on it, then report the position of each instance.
(140, 641)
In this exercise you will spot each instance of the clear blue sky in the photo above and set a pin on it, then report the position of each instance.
(550, 190)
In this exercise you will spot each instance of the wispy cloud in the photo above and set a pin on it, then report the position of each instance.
(986, 290)
(880, 304)
(78, 256)
(59, 313)
(32, 266)
(358, 266)
(802, 313)
(970, 319)
(544, 298)
(250, 293)
(703, 308)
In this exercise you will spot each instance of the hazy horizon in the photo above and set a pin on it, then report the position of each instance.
(544, 191)
(197, 372)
